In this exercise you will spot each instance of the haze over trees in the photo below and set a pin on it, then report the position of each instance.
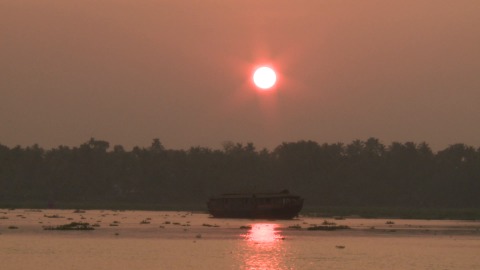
(361, 173)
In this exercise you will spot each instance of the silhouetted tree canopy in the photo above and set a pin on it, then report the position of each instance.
(362, 173)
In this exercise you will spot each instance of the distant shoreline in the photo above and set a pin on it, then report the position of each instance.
(308, 211)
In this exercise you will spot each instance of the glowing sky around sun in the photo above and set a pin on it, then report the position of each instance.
(181, 71)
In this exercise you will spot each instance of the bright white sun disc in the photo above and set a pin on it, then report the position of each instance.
(264, 77)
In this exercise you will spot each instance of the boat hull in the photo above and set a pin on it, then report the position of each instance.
(256, 206)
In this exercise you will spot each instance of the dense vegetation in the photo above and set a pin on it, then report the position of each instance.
(359, 174)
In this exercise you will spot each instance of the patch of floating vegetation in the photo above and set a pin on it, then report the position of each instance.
(3, 217)
(389, 222)
(246, 227)
(296, 227)
(73, 226)
(210, 225)
(144, 222)
(328, 227)
(33, 210)
(114, 223)
(53, 216)
(328, 223)
(12, 227)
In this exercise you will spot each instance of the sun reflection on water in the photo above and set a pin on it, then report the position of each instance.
(263, 247)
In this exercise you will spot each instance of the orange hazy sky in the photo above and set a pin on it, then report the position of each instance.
(130, 71)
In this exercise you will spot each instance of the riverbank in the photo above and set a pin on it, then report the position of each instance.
(394, 212)
(308, 210)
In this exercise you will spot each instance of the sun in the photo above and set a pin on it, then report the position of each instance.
(264, 77)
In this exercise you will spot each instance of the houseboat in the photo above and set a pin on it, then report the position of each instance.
(282, 205)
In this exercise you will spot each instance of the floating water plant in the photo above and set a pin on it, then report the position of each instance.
(75, 226)
(247, 227)
(79, 211)
(389, 222)
(12, 227)
(328, 227)
(296, 227)
(144, 222)
(53, 216)
(209, 225)
(33, 210)
(326, 222)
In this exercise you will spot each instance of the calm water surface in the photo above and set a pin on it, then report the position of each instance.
(179, 240)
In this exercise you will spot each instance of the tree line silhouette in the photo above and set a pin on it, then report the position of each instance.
(361, 173)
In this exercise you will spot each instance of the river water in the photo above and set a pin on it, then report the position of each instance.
(181, 240)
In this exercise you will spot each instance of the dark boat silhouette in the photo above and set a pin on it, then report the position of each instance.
(282, 205)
